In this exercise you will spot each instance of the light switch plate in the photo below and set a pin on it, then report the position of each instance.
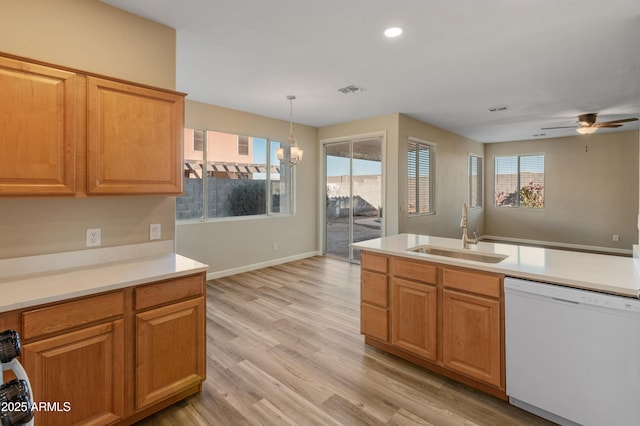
(155, 231)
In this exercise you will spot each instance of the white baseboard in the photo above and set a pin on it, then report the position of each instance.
(551, 244)
(253, 267)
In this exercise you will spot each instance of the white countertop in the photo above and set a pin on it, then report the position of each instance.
(605, 273)
(35, 280)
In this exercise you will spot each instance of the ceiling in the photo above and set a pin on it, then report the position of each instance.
(546, 61)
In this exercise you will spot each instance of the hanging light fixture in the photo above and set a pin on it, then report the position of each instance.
(295, 153)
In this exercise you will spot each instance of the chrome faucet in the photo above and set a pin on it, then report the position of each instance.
(463, 224)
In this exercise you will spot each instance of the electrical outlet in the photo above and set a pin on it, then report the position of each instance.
(275, 246)
(94, 237)
(616, 238)
(155, 231)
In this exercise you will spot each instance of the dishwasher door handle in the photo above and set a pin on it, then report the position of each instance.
(573, 302)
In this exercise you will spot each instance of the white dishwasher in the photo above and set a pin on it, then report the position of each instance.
(572, 356)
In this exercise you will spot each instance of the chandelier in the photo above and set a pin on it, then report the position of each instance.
(294, 153)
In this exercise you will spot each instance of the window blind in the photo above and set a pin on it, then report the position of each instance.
(475, 181)
(420, 177)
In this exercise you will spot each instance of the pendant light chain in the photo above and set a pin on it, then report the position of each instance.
(292, 137)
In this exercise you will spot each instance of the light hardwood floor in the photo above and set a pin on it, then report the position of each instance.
(284, 348)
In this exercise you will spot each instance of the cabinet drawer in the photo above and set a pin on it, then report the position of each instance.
(418, 271)
(374, 262)
(169, 291)
(488, 285)
(374, 322)
(52, 319)
(374, 289)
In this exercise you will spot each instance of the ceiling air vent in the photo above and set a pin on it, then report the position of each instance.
(352, 88)
(498, 108)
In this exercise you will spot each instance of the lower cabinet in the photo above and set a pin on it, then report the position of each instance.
(79, 375)
(116, 357)
(444, 318)
(374, 297)
(169, 346)
(414, 317)
(471, 339)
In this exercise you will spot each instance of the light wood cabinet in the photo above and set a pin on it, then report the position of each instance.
(38, 133)
(169, 350)
(66, 132)
(116, 357)
(471, 340)
(414, 317)
(472, 336)
(444, 318)
(80, 371)
(134, 139)
(374, 296)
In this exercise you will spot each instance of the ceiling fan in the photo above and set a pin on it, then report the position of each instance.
(588, 123)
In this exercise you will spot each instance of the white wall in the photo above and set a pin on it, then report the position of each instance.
(452, 181)
(591, 191)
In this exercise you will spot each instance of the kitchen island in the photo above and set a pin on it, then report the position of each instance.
(447, 312)
(115, 333)
(597, 272)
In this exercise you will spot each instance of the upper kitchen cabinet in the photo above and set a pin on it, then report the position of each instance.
(37, 129)
(68, 132)
(134, 139)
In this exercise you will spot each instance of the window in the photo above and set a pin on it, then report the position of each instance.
(420, 179)
(520, 181)
(243, 145)
(220, 181)
(474, 167)
(198, 140)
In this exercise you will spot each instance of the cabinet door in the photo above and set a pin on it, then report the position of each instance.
(37, 129)
(134, 139)
(414, 318)
(170, 350)
(79, 375)
(472, 340)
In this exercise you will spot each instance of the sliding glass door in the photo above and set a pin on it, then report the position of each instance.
(353, 185)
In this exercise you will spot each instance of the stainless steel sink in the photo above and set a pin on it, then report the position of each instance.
(460, 254)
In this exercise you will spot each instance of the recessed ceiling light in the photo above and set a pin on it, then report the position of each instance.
(393, 32)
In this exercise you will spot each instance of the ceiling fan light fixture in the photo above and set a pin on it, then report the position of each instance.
(586, 130)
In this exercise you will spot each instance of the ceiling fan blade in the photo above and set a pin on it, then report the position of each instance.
(563, 127)
(624, 120)
(606, 125)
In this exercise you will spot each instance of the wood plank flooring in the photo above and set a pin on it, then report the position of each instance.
(284, 348)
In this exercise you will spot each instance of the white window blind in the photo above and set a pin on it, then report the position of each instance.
(420, 179)
(198, 140)
(475, 181)
(520, 181)
(243, 145)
